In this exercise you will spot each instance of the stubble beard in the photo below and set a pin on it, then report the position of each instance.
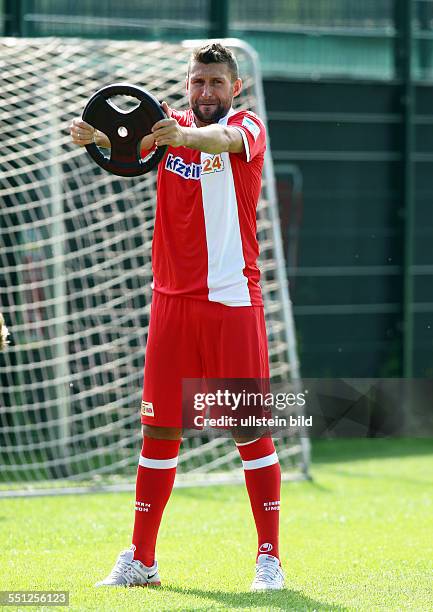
(219, 112)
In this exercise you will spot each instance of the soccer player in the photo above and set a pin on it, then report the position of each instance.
(4, 333)
(207, 317)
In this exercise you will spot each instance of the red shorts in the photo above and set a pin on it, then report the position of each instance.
(198, 339)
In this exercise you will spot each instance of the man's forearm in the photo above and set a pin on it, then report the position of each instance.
(213, 139)
(101, 140)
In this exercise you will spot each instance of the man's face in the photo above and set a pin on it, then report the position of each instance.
(211, 91)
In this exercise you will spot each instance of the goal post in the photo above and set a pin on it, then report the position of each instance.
(75, 274)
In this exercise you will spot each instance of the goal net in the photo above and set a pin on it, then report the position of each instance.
(75, 274)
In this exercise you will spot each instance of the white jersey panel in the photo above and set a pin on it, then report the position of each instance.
(226, 282)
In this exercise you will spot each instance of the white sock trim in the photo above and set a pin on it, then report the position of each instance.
(254, 464)
(246, 443)
(158, 464)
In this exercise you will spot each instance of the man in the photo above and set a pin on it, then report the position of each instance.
(207, 317)
(4, 333)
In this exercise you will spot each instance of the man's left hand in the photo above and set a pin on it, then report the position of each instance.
(168, 132)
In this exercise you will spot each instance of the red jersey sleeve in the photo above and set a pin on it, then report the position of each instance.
(253, 133)
(185, 118)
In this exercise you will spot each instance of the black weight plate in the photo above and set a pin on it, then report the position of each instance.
(125, 159)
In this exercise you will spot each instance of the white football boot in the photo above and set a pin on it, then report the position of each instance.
(269, 575)
(129, 572)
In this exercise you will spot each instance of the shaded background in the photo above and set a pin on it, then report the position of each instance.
(349, 94)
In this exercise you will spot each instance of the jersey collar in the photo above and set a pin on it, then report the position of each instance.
(223, 120)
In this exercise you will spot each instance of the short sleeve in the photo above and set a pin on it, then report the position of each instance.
(184, 118)
(253, 132)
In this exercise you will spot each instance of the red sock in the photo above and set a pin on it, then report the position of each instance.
(155, 479)
(263, 480)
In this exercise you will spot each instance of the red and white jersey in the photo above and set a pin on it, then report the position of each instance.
(205, 243)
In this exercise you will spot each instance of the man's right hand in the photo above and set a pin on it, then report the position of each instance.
(83, 133)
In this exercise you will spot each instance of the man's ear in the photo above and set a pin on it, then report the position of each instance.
(237, 87)
(187, 83)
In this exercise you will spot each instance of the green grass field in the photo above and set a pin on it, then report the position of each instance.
(359, 537)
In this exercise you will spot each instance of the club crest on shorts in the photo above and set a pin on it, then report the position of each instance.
(147, 409)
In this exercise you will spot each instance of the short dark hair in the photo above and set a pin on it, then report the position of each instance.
(215, 53)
